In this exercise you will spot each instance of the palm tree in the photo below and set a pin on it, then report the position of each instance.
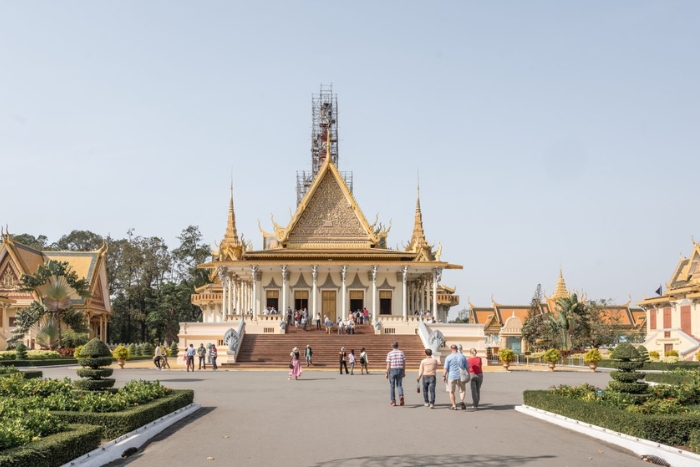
(56, 284)
(570, 313)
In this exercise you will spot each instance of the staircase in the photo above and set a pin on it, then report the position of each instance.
(272, 350)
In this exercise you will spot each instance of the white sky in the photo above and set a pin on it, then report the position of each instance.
(545, 133)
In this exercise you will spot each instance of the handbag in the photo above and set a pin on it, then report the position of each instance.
(291, 366)
(464, 376)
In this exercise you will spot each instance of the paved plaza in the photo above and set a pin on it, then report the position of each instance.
(258, 418)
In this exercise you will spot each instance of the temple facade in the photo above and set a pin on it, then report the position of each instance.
(17, 259)
(329, 260)
(503, 324)
(673, 318)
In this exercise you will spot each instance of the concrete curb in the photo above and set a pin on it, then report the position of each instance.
(116, 448)
(642, 447)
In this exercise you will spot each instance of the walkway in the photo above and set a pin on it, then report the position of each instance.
(255, 418)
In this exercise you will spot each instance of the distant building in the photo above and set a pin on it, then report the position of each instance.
(673, 321)
(503, 324)
(17, 259)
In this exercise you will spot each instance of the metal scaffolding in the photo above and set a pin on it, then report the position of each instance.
(324, 118)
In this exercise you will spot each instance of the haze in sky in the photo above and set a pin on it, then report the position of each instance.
(545, 134)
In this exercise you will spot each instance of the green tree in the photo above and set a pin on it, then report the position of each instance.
(55, 282)
(191, 252)
(572, 320)
(79, 240)
(38, 243)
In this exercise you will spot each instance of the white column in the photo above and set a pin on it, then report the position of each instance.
(404, 271)
(283, 309)
(238, 296)
(427, 295)
(437, 274)
(254, 270)
(375, 312)
(343, 293)
(314, 277)
(224, 280)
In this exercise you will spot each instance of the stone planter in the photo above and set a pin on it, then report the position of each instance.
(506, 365)
(593, 366)
(121, 363)
(551, 366)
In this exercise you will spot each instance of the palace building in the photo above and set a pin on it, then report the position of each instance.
(17, 259)
(329, 259)
(503, 324)
(673, 318)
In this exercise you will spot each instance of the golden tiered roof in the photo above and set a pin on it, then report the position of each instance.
(231, 248)
(684, 282)
(560, 291)
(418, 243)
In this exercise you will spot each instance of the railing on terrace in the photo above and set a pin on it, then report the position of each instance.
(522, 360)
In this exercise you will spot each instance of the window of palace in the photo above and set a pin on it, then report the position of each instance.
(357, 300)
(385, 302)
(272, 299)
(301, 299)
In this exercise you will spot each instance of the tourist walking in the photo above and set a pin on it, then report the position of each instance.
(164, 358)
(213, 353)
(329, 325)
(427, 370)
(190, 357)
(309, 353)
(363, 361)
(202, 353)
(451, 375)
(395, 372)
(295, 364)
(303, 323)
(156, 357)
(477, 378)
(351, 359)
(342, 358)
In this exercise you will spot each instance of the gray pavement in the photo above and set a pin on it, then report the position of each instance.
(258, 418)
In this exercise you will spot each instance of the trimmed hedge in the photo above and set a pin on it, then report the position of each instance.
(48, 362)
(54, 450)
(673, 430)
(669, 378)
(28, 374)
(694, 443)
(94, 372)
(116, 424)
(93, 384)
(660, 366)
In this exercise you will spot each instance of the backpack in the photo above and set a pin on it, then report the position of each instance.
(362, 360)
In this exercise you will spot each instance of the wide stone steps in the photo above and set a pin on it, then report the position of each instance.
(272, 350)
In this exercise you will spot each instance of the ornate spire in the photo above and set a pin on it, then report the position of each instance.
(230, 247)
(418, 241)
(560, 290)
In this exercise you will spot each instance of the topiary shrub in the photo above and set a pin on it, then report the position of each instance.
(626, 380)
(21, 350)
(694, 441)
(643, 353)
(132, 349)
(654, 355)
(671, 353)
(174, 349)
(94, 355)
(139, 351)
(148, 349)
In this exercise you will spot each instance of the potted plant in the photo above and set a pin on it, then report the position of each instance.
(506, 356)
(551, 356)
(592, 358)
(121, 353)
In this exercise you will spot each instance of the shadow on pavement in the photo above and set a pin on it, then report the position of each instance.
(180, 380)
(444, 460)
(163, 435)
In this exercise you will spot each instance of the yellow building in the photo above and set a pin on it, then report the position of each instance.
(673, 318)
(17, 259)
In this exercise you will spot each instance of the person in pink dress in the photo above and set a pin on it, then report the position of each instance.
(295, 364)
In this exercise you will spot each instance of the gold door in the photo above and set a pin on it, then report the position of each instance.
(328, 304)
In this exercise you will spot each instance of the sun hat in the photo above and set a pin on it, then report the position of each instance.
(295, 349)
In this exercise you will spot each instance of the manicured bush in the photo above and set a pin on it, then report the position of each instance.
(506, 355)
(95, 373)
(592, 356)
(71, 338)
(174, 349)
(148, 349)
(21, 351)
(95, 354)
(643, 353)
(121, 353)
(551, 356)
(671, 353)
(654, 355)
(118, 423)
(656, 366)
(668, 378)
(54, 450)
(23, 363)
(673, 430)
(132, 350)
(19, 426)
(42, 354)
(626, 360)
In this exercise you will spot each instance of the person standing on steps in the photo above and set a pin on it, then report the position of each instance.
(202, 353)
(363, 361)
(395, 372)
(309, 354)
(295, 364)
(451, 375)
(342, 359)
(474, 364)
(428, 370)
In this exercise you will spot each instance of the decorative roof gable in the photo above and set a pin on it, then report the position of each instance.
(328, 216)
